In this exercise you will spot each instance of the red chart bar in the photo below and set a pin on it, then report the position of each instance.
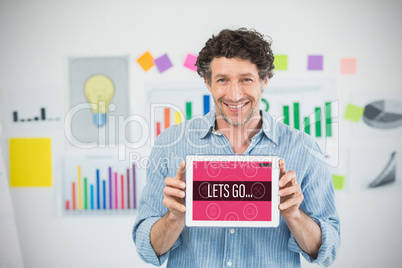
(115, 190)
(73, 195)
(167, 118)
(122, 191)
(158, 128)
(67, 205)
(128, 188)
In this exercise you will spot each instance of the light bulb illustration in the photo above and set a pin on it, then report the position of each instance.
(99, 90)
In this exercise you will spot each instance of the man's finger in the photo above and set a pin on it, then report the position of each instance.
(282, 168)
(180, 171)
(286, 178)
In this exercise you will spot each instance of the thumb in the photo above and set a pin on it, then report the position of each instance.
(180, 171)
(282, 168)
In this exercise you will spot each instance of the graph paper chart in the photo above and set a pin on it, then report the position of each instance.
(98, 184)
(307, 104)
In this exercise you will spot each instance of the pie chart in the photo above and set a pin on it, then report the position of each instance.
(383, 114)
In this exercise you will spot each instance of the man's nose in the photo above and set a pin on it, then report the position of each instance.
(235, 92)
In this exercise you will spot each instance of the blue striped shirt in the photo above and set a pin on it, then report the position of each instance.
(238, 247)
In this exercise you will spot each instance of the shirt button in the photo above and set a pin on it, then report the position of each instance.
(232, 231)
(229, 263)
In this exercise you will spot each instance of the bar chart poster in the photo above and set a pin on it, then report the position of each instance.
(309, 105)
(98, 184)
(173, 106)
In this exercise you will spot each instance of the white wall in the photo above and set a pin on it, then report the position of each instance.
(37, 37)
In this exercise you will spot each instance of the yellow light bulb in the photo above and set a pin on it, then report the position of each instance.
(99, 90)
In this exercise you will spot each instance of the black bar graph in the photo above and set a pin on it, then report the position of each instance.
(16, 118)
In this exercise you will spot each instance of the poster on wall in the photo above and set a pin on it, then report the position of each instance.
(98, 98)
(309, 105)
(25, 110)
(98, 184)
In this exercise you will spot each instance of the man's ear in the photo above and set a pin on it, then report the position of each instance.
(265, 83)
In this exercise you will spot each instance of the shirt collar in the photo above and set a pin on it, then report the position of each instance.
(268, 126)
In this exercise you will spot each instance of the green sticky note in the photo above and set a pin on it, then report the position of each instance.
(281, 62)
(339, 181)
(353, 112)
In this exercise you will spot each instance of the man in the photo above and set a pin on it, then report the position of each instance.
(236, 67)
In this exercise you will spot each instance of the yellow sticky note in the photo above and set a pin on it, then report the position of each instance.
(281, 62)
(353, 112)
(30, 162)
(146, 61)
(339, 181)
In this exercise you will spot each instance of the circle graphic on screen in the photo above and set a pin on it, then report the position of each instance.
(213, 211)
(258, 190)
(250, 169)
(213, 169)
(203, 189)
(250, 211)
(231, 216)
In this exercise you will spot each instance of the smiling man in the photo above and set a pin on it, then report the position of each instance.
(236, 67)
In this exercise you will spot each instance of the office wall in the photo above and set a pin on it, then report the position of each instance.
(38, 37)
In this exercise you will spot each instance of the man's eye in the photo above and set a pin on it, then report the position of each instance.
(222, 80)
(247, 80)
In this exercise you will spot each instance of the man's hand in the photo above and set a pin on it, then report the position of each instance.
(166, 230)
(290, 193)
(174, 194)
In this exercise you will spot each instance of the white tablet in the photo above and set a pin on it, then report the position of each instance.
(232, 190)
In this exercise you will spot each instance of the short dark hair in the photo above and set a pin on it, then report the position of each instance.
(242, 43)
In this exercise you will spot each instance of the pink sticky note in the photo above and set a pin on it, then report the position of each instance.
(348, 65)
(190, 62)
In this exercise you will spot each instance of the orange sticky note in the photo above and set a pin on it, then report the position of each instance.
(30, 162)
(348, 66)
(146, 61)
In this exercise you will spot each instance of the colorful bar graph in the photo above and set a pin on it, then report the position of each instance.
(296, 115)
(328, 120)
(188, 110)
(167, 117)
(307, 125)
(286, 115)
(114, 193)
(206, 104)
(317, 121)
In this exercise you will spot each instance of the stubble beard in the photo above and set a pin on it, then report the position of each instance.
(228, 120)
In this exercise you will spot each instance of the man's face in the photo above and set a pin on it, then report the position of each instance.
(236, 88)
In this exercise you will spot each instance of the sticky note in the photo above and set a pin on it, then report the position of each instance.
(163, 63)
(348, 65)
(281, 62)
(30, 162)
(314, 63)
(146, 61)
(353, 112)
(339, 181)
(190, 61)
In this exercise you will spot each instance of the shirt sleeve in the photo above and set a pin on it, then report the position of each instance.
(151, 207)
(319, 204)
